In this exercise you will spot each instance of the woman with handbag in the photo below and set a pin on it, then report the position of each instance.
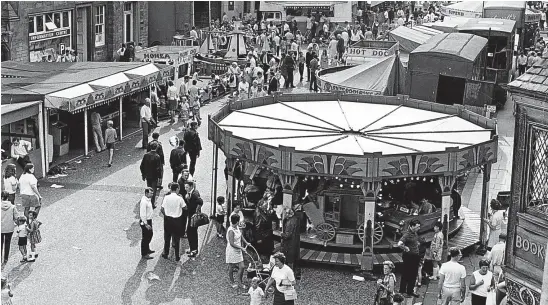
(284, 279)
(482, 283)
(233, 254)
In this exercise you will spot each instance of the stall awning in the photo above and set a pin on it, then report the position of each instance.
(15, 112)
(468, 9)
(74, 87)
(465, 46)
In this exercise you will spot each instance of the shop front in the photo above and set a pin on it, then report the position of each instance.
(50, 34)
(25, 122)
(71, 95)
(526, 265)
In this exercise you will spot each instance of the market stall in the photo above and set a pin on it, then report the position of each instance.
(364, 51)
(219, 50)
(379, 76)
(409, 38)
(467, 9)
(350, 159)
(447, 69)
(71, 90)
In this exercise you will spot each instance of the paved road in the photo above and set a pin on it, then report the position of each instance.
(91, 237)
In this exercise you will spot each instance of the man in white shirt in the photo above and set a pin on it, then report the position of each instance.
(146, 122)
(285, 26)
(243, 89)
(145, 215)
(172, 208)
(194, 36)
(452, 283)
(252, 60)
(496, 255)
(522, 63)
(20, 151)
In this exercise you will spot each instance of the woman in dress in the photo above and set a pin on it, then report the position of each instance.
(495, 223)
(436, 250)
(233, 253)
(332, 53)
(283, 278)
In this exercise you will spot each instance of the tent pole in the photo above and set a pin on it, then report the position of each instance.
(41, 138)
(215, 166)
(86, 132)
(45, 113)
(121, 134)
(213, 210)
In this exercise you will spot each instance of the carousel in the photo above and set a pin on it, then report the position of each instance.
(362, 167)
(219, 49)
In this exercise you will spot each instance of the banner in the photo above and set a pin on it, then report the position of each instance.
(329, 87)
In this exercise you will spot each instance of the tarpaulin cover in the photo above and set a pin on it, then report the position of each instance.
(409, 39)
(377, 75)
(465, 46)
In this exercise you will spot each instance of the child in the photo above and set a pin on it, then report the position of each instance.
(110, 138)
(221, 212)
(6, 292)
(10, 182)
(436, 249)
(255, 292)
(34, 235)
(301, 62)
(398, 299)
(324, 61)
(185, 111)
(22, 234)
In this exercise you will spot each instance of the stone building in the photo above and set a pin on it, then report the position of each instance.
(41, 30)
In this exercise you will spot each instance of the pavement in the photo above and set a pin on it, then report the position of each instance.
(91, 237)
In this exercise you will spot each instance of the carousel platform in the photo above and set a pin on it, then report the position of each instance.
(463, 233)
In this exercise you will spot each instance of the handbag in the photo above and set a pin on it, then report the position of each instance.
(290, 294)
(199, 219)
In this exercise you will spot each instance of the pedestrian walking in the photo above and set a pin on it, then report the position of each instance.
(340, 47)
(220, 216)
(436, 250)
(284, 279)
(34, 235)
(184, 113)
(495, 221)
(172, 98)
(177, 159)
(409, 243)
(255, 292)
(291, 238)
(314, 67)
(11, 184)
(234, 251)
(146, 122)
(110, 138)
(160, 151)
(20, 151)
(386, 284)
(22, 233)
(28, 189)
(96, 119)
(9, 220)
(481, 282)
(273, 84)
(497, 256)
(452, 284)
(193, 145)
(289, 63)
(194, 203)
(145, 215)
(172, 209)
(194, 93)
(151, 170)
(6, 292)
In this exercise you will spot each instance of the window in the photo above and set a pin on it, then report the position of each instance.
(128, 21)
(230, 5)
(39, 24)
(57, 19)
(31, 25)
(100, 26)
(66, 20)
(538, 171)
(49, 22)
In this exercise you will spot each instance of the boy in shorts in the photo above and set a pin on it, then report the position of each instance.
(110, 137)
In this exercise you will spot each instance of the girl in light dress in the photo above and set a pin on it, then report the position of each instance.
(436, 250)
(185, 111)
(35, 238)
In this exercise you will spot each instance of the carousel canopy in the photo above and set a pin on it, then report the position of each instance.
(376, 75)
(353, 128)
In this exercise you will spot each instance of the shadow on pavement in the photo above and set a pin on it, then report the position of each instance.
(134, 282)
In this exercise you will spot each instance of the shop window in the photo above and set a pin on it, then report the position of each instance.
(230, 5)
(31, 25)
(538, 171)
(66, 20)
(57, 19)
(39, 24)
(128, 21)
(100, 25)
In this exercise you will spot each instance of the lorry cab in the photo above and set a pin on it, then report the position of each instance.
(275, 16)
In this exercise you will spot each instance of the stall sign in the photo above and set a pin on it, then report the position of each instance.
(516, 15)
(187, 56)
(453, 12)
(49, 35)
(329, 87)
(366, 52)
(532, 18)
(530, 247)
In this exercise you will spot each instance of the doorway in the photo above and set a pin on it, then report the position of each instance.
(82, 33)
(450, 90)
(201, 14)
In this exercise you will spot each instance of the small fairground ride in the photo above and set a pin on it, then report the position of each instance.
(362, 167)
(219, 49)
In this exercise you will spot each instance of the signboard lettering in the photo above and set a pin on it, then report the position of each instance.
(363, 52)
(329, 87)
(49, 35)
(530, 247)
(164, 56)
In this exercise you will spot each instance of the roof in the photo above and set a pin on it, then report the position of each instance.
(469, 9)
(409, 38)
(466, 46)
(484, 24)
(503, 4)
(7, 108)
(534, 80)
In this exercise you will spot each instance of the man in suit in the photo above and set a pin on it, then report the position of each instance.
(151, 170)
(193, 146)
(176, 160)
(160, 152)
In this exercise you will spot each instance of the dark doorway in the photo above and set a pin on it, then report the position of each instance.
(450, 90)
(201, 14)
(215, 10)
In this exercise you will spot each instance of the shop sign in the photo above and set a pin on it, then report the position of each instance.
(366, 52)
(530, 247)
(509, 14)
(453, 12)
(49, 35)
(329, 87)
(532, 18)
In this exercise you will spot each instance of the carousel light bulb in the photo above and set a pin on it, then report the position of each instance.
(312, 178)
(352, 186)
(398, 180)
(432, 180)
(341, 185)
(358, 186)
(404, 179)
(385, 183)
(345, 180)
(424, 179)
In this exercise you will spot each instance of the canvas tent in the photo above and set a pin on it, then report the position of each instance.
(468, 9)
(376, 77)
(409, 38)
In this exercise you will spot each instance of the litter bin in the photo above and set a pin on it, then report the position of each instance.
(504, 198)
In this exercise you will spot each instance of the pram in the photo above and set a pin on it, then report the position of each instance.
(256, 268)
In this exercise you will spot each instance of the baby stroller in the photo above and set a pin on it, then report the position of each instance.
(255, 266)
